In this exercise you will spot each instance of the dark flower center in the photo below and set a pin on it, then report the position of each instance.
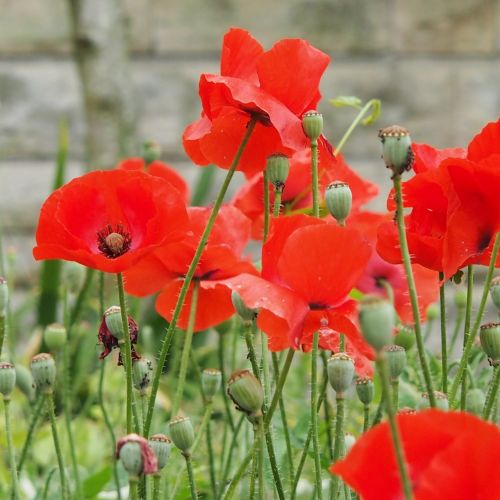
(113, 241)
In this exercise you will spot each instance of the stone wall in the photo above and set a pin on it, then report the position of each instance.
(435, 64)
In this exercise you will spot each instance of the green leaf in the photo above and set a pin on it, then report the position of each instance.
(376, 107)
(95, 483)
(346, 100)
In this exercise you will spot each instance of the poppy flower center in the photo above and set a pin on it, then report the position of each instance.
(113, 241)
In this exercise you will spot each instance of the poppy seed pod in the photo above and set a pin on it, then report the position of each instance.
(142, 369)
(150, 151)
(25, 383)
(182, 433)
(489, 335)
(4, 297)
(338, 198)
(475, 401)
(210, 381)
(43, 369)
(405, 336)
(113, 319)
(377, 320)
(7, 379)
(54, 336)
(312, 123)
(396, 148)
(246, 392)
(396, 360)
(340, 372)
(136, 455)
(161, 445)
(441, 401)
(495, 291)
(365, 390)
(130, 456)
(460, 299)
(278, 168)
(244, 312)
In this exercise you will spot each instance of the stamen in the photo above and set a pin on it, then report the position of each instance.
(113, 242)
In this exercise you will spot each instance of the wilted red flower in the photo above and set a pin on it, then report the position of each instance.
(108, 220)
(165, 269)
(149, 460)
(158, 169)
(297, 191)
(308, 269)
(274, 87)
(449, 455)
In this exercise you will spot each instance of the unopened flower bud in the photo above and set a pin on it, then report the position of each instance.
(210, 381)
(441, 401)
(161, 445)
(246, 392)
(150, 151)
(396, 148)
(4, 297)
(43, 369)
(54, 336)
(349, 442)
(460, 299)
(377, 320)
(136, 455)
(7, 379)
(475, 401)
(74, 276)
(405, 337)
(312, 123)
(340, 372)
(244, 312)
(432, 312)
(495, 291)
(113, 319)
(142, 369)
(182, 433)
(277, 167)
(396, 360)
(365, 390)
(489, 334)
(338, 198)
(25, 383)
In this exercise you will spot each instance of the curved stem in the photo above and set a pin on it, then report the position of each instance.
(239, 473)
(189, 276)
(470, 340)
(10, 448)
(314, 177)
(192, 484)
(412, 288)
(201, 430)
(492, 392)
(339, 437)
(314, 414)
(31, 430)
(181, 380)
(251, 349)
(232, 447)
(444, 350)
(274, 464)
(46, 486)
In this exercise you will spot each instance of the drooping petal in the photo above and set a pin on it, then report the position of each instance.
(429, 158)
(486, 143)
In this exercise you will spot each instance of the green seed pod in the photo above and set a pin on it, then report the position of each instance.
(340, 372)
(43, 369)
(136, 455)
(246, 392)
(24, 382)
(349, 442)
(182, 433)
(210, 381)
(244, 312)
(365, 390)
(55, 336)
(338, 198)
(4, 297)
(377, 320)
(142, 370)
(113, 318)
(405, 337)
(161, 445)
(131, 458)
(396, 148)
(278, 168)
(150, 151)
(460, 299)
(74, 276)
(312, 123)
(396, 360)
(441, 401)
(495, 292)
(432, 313)
(7, 379)
(489, 335)
(475, 401)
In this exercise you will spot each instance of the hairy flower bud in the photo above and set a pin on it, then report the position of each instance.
(246, 392)
(182, 433)
(396, 360)
(7, 378)
(74, 276)
(489, 334)
(405, 336)
(312, 123)
(338, 198)
(4, 297)
(244, 312)
(377, 320)
(396, 148)
(161, 445)
(278, 168)
(432, 312)
(142, 369)
(55, 336)
(210, 381)
(43, 369)
(365, 390)
(340, 372)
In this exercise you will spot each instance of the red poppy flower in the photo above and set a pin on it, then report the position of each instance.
(110, 342)
(449, 455)
(159, 169)
(308, 269)
(108, 220)
(297, 191)
(164, 271)
(148, 457)
(274, 87)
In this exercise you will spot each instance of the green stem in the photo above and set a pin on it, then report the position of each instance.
(239, 473)
(266, 206)
(314, 414)
(31, 430)
(412, 288)
(456, 330)
(45, 492)
(254, 474)
(201, 430)
(192, 484)
(477, 323)
(395, 393)
(156, 486)
(265, 369)
(181, 380)
(396, 439)
(314, 178)
(277, 201)
(274, 464)
(468, 320)
(189, 276)
(2, 332)
(232, 447)
(10, 448)
(133, 483)
(260, 432)
(211, 459)
(366, 418)
(50, 409)
(229, 416)
(251, 349)
(339, 437)
(492, 392)
(126, 350)
(444, 350)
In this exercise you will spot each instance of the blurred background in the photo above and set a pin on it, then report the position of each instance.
(119, 72)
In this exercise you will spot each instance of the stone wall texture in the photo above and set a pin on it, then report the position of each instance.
(435, 64)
